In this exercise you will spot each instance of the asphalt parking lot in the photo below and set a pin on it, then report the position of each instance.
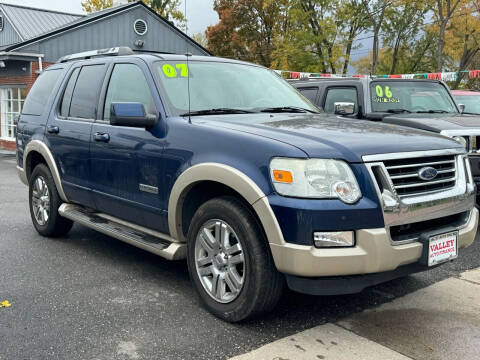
(89, 296)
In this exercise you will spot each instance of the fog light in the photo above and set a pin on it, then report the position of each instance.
(333, 239)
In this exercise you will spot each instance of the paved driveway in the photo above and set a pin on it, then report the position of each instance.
(88, 296)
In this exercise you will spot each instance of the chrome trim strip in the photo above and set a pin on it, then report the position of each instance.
(148, 189)
(412, 154)
(420, 164)
(406, 186)
(136, 227)
(461, 227)
(395, 177)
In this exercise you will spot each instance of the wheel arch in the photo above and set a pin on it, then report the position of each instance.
(229, 178)
(33, 151)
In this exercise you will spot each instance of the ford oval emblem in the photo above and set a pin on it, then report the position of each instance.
(427, 173)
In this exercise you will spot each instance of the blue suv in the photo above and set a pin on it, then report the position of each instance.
(226, 165)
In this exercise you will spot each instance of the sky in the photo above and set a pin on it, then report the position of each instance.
(200, 13)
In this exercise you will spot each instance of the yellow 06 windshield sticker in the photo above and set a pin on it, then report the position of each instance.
(179, 70)
(384, 95)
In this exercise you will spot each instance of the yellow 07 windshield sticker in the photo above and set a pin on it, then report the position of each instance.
(179, 70)
(384, 95)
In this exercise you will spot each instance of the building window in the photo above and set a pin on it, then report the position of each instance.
(11, 103)
(1, 22)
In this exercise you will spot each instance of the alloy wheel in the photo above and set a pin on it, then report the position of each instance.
(41, 201)
(219, 260)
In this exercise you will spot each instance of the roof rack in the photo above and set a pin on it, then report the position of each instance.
(116, 51)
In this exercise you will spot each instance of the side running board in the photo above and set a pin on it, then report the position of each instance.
(146, 239)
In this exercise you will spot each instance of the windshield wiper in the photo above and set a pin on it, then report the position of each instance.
(217, 111)
(398, 111)
(432, 112)
(293, 109)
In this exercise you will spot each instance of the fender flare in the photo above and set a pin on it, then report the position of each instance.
(42, 149)
(227, 176)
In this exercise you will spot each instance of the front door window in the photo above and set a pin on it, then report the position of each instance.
(11, 103)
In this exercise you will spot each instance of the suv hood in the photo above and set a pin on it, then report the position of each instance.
(324, 136)
(435, 122)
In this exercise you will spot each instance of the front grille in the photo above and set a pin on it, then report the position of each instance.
(415, 230)
(404, 174)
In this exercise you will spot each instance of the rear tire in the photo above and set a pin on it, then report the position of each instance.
(230, 263)
(44, 204)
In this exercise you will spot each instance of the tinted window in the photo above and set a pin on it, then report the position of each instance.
(412, 96)
(85, 94)
(309, 93)
(67, 95)
(40, 93)
(128, 84)
(340, 95)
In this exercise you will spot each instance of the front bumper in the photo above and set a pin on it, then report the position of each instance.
(373, 253)
(341, 285)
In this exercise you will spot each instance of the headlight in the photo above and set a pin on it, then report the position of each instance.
(315, 178)
(461, 140)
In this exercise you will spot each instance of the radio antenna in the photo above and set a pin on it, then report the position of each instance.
(187, 54)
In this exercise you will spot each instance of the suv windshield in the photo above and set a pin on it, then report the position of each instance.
(410, 96)
(223, 87)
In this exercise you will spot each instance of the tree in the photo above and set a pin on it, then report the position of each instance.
(200, 38)
(169, 9)
(96, 5)
(443, 12)
(353, 15)
(246, 29)
(312, 36)
(462, 38)
(403, 22)
(321, 30)
(376, 14)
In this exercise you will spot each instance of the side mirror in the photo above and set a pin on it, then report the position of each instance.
(131, 115)
(461, 107)
(344, 108)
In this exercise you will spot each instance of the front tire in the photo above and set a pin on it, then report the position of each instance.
(230, 262)
(44, 204)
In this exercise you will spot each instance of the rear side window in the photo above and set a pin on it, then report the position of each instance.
(340, 95)
(85, 95)
(309, 93)
(40, 93)
(67, 95)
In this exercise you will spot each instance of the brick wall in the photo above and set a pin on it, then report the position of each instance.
(27, 80)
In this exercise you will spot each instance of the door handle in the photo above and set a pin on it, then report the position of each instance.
(103, 137)
(51, 129)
